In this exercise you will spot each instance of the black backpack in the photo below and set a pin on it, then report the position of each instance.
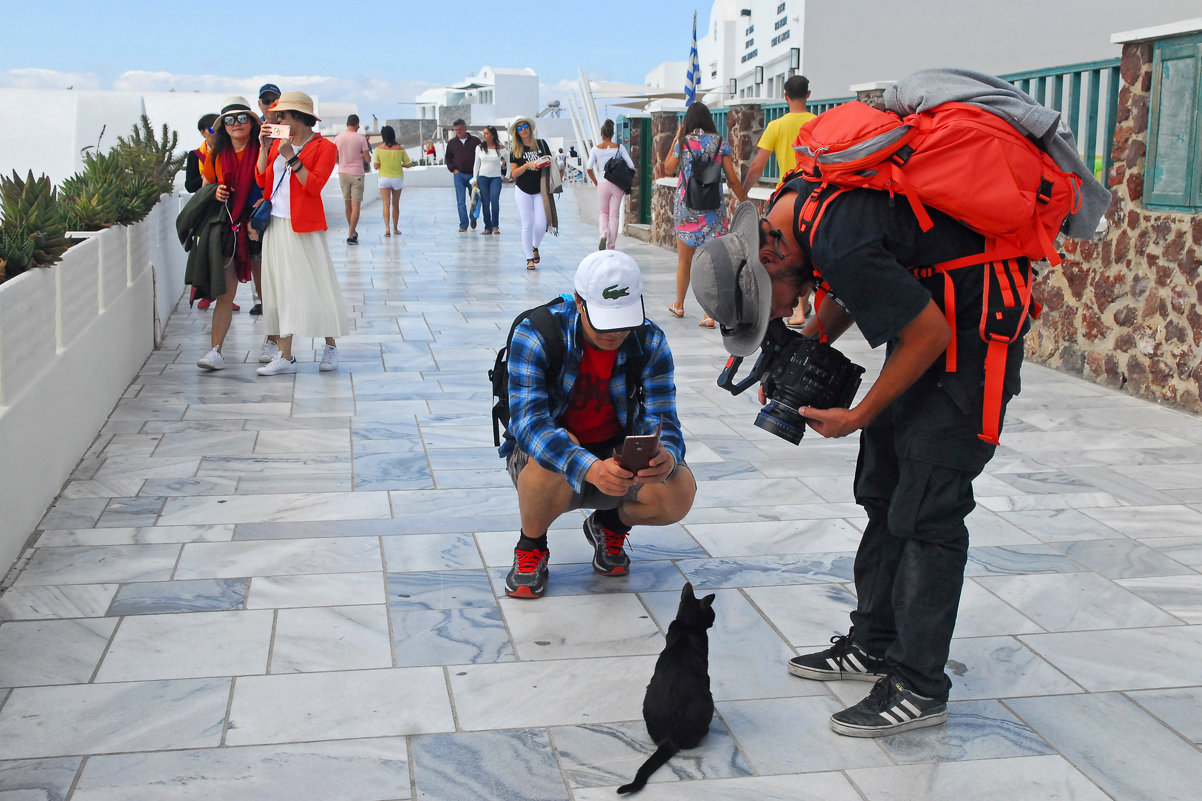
(703, 190)
(548, 328)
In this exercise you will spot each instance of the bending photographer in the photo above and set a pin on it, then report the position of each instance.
(919, 445)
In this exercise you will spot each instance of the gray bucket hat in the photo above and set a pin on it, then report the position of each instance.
(731, 284)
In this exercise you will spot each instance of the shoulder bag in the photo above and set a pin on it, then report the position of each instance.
(619, 173)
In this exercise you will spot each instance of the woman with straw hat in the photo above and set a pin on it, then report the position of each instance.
(300, 289)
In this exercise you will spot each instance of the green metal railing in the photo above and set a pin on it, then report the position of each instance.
(1087, 96)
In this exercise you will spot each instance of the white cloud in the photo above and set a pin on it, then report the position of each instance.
(34, 78)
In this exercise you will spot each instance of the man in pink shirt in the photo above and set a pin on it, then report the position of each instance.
(354, 155)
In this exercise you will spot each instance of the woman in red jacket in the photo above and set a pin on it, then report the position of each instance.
(300, 289)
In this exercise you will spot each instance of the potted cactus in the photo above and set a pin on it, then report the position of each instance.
(33, 231)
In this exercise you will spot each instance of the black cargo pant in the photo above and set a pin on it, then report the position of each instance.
(914, 478)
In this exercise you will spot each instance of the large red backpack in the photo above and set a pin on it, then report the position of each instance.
(969, 164)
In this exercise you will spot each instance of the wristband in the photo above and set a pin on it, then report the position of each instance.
(292, 162)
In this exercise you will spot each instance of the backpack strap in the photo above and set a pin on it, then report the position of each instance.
(634, 378)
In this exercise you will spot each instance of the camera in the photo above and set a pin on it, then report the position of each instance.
(795, 370)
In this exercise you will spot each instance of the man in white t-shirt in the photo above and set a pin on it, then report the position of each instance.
(354, 155)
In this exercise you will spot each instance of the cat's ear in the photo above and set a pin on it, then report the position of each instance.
(687, 592)
(708, 601)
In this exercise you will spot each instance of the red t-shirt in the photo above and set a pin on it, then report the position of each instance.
(590, 414)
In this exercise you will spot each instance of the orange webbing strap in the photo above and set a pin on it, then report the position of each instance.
(1001, 324)
(820, 293)
(995, 377)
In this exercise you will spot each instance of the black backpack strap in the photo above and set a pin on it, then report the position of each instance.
(635, 362)
(548, 328)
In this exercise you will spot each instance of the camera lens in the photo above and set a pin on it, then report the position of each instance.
(781, 420)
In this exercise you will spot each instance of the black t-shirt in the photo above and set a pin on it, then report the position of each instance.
(530, 181)
(864, 247)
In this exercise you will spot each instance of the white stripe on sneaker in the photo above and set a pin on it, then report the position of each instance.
(913, 710)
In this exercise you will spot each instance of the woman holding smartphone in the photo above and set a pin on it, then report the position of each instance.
(231, 165)
(488, 170)
(527, 159)
(300, 289)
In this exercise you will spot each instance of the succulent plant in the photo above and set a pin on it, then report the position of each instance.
(33, 230)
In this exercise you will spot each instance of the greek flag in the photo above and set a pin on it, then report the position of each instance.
(692, 78)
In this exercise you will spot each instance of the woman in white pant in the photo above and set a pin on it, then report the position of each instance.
(528, 156)
(609, 195)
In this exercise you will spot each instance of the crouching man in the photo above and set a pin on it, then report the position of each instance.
(614, 379)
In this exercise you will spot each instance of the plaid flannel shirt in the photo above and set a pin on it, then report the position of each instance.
(537, 404)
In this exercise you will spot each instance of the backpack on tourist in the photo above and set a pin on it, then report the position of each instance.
(548, 328)
(703, 188)
(969, 163)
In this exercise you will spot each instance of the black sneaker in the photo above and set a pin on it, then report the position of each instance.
(257, 309)
(609, 556)
(888, 709)
(528, 576)
(843, 660)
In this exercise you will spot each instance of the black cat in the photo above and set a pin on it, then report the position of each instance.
(678, 706)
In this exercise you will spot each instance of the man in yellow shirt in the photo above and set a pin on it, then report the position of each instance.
(778, 137)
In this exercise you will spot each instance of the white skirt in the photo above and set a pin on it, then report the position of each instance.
(300, 289)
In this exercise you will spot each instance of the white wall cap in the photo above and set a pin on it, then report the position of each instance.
(1181, 28)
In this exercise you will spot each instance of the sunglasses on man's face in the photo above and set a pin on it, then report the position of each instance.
(237, 119)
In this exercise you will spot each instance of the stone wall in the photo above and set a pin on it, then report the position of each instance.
(635, 199)
(1123, 310)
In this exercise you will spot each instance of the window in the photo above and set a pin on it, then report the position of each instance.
(780, 23)
(1174, 166)
(749, 43)
(750, 30)
(778, 39)
(780, 9)
(749, 55)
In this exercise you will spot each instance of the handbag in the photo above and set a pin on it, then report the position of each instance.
(619, 173)
(260, 215)
(703, 189)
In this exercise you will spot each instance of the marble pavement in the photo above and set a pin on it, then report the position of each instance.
(290, 587)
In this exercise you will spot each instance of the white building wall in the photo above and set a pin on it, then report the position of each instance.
(842, 43)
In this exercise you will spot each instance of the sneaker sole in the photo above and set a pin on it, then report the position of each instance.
(326, 367)
(523, 592)
(852, 730)
(818, 674)
(617, 571)
(209, 367)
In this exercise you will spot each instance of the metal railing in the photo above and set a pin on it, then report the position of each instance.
(1087, 96)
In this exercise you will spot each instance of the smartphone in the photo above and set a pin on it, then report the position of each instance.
(277, 131)
(637, 452)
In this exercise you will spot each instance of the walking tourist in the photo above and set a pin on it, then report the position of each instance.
(390, 161)
(460, 160)
(527, 158)
(697, 141)
(353, 157)
(488, 172)
(609, 195)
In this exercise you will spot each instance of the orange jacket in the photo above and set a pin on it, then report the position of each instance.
(319, 155)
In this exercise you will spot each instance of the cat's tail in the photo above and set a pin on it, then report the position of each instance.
(653, 763)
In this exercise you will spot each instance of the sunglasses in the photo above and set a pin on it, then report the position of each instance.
(237, 119)
(522, 127)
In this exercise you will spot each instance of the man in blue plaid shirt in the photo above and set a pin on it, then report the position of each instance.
(565, 428)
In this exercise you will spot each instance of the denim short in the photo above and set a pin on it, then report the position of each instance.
(591, 498)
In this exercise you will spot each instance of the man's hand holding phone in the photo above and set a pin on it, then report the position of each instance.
(645, 456)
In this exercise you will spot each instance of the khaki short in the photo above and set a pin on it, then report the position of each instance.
(352, 187)
(591, 498)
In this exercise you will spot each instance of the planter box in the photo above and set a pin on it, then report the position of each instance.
(28, 342)
(72, 337)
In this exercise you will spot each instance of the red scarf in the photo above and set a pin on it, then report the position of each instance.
(239, 174)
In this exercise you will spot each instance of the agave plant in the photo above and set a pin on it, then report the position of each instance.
(33, 231)
(141, 152)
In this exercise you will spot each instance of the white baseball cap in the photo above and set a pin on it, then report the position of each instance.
(611, 286)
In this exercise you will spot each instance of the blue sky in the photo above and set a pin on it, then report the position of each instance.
(386, 53)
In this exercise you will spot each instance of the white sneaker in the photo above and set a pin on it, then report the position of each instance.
(271, 352)
(211, 361)
(278, 366)
(329, 359)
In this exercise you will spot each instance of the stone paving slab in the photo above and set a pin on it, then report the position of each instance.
(291, 587)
